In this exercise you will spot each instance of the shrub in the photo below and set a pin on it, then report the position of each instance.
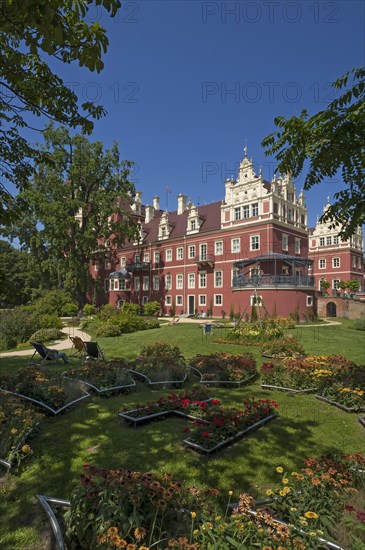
(54, 301)
(285, 347)
(89, 309)
(46, 335)
(49, 321)
(359, 324)
(17, 326)
(225, 366)
(69, 310)
(161, 361)
(106, 312)
(152, 323)
(107, 330)
(133, 309)
(152, 308)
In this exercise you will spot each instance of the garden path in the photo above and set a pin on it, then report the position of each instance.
(59, 344)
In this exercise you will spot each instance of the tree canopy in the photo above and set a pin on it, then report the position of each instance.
(74, 206)
(32, 34)
(333, 141)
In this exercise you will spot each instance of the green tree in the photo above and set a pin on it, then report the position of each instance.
(332, 141)
(75, 205)
(34, 33)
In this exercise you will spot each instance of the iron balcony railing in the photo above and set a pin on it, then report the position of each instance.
(138, 266)
(240, 281)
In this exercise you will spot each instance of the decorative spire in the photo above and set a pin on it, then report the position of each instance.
(245, 149)
(328, 199)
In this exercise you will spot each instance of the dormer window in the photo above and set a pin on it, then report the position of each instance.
(163, 231)
(192, 225)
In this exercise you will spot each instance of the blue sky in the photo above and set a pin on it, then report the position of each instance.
(171, 66)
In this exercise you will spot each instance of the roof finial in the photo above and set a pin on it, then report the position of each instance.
(328, 198)
(245, 149)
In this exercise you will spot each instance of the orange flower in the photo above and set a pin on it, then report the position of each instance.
(316, 481)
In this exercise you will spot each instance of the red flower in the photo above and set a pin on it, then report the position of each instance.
(206, 434)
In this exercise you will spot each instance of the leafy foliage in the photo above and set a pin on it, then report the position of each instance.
(33, 34)
(74, 206)
(332, 141)
(152, 308)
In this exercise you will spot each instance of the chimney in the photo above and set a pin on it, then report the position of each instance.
(156, 202)
(149, 211)
(138, 196)
(181, 203)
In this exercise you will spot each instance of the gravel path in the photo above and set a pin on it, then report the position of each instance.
(59, 344)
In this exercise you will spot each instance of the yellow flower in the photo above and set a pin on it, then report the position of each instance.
(303, 522)
(26, 449)
(285, 480)
(294, 474)
(311, 515)
(293, 509)
(230, 493)
(14, 431)
(279, 470)
(269, 492)
(282, 493)
(112, 531)
(193, 515)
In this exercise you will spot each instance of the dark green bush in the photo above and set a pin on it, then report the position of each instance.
(152, 308)
(48, 321)
(107, 330)
(129, 308)
(16, 326)
(69, 310)
(106, 312)
(54, 301)
(359, 324)
(89, 309)
(46, 335)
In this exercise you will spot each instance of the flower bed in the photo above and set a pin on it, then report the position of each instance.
(285, 347)
(44, 387)
(315, 498)
(190, 405)
(288, 375)
(160, 363)
(256, 332)
(227, 425)
(225, 368)
(18, 423)
(103, 376)
(342, 385)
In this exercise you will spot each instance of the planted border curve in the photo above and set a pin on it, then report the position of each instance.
(160, 382)
(238, 435)
(47, 407)
(291, 390)
(22, 441)
(222, 382)
(105, 390)
(340, 406)
(46, 503)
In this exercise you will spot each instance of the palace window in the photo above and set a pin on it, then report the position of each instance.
(246, 212)
(169, 255)
(168, 300)
(123, 261)
(336, 239)
(136, 283)
(297, 246)
(322, 264)
(218, 279)
(218, 299)
(191, 251)
(218, 248)
(202, 280)
(309, 301)
(146, 283)
(285, 242)
(156, 257)
(179, 300)
(203, 252)
(321, 241)
(237, 213)
(255, 242)
(329, 241)
(156, 282)
(202, 299)
(168, 282)
(335, 284)
(236, 245)
(191, 280)
(335, 262)
(255, 209)
(179, 281)
(107, 264)
(179, 253)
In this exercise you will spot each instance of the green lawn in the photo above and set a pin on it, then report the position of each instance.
(93, 433)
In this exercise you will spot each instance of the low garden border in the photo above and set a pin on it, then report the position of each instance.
(222, 382)
(105, 390)
(46, 503)
(160, 382)
(47, 407)
(238, 435)
(282, 388)
(340, 406)
(33, 430)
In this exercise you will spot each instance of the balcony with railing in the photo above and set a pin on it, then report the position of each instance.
(240, 281)
(204, 259)
(138, 267)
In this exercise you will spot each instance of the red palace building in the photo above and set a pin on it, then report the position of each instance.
(253, 247)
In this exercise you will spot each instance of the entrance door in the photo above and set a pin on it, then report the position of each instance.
(331, 309)
(191, 305)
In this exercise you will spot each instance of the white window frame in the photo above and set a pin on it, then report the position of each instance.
(168, 255)
(203, 255)
(156, 282)
(220, 297)
(191, 251)
(256, 300)
(322, 263)
(252, 248)
(255, 209)
(201, 275)
(168, 300)
(179, 253)
(191, 280)
(329, 241)
(335, 283)
(246, 212)
(146, 257)
(156, 256)
(335, 261)
(137, 258)
(285, 242)
(221, 278)
(179, 281)
(237, 213)
(354, 262)
(137, 284)
(168, 282)
(235, 245)
(145, 282)
(309, 301)
(179, 300)
(297, 245)
(202, 299)
(322, 241)
(122, 284)
(336, 239)
(218, 248)
(123, 261)
(193, 225)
